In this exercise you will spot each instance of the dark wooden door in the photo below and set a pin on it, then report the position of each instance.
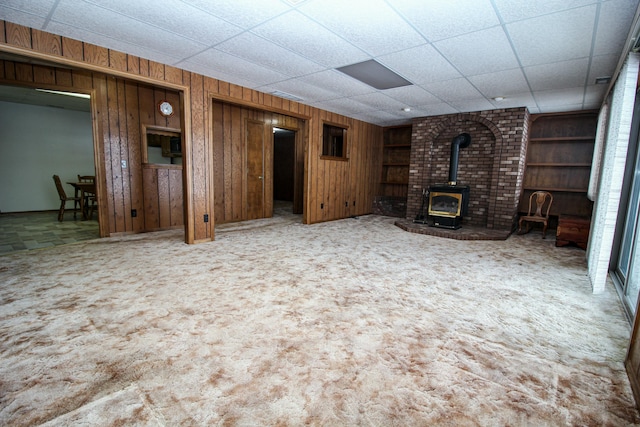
(255, 132)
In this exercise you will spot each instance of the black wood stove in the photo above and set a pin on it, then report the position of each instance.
(447, 204)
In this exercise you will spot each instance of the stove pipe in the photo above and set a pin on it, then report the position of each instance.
(461, 141)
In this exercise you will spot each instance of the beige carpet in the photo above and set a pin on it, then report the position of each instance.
(345, 323)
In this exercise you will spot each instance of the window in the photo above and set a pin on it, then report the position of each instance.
(163, 145)
(334, 140)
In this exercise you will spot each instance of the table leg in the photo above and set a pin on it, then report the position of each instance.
(82, 208)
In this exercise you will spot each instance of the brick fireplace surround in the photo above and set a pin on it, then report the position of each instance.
(493, 166)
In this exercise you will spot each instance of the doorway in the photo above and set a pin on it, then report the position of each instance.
(284, 157)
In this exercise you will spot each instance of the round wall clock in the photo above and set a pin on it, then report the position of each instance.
(165, 107)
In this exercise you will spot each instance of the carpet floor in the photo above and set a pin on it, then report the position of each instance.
(345, 323)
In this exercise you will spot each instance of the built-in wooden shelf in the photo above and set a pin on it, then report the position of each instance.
(557, 189)
(396, 155)
(559, 157)
(563, 165)
(554, 140)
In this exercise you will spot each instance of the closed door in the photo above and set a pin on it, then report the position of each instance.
(255, 134)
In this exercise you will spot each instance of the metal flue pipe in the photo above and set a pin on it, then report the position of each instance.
(461, 141)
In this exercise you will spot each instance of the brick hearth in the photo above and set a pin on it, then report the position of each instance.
(493, 165)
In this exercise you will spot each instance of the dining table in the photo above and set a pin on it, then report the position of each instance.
(83, 190)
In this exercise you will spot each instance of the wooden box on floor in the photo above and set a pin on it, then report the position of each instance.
(573, 229)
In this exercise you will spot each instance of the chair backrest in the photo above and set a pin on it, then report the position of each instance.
(59, 187)
(86, 178)
(537, 201)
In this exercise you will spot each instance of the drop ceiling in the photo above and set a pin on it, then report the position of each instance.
(458, 55)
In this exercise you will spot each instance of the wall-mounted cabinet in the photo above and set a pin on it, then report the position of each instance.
(559, 156)
(395, 161)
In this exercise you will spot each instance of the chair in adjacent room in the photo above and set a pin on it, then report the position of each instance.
(64, 199)
(539, 207)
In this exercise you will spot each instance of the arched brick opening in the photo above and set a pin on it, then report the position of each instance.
(493, 165)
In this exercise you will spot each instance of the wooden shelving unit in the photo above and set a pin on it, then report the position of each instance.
(559, 156)
(394, 181)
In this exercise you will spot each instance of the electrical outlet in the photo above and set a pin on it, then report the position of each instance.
(123, 163)
(206, 217)
(134, 213)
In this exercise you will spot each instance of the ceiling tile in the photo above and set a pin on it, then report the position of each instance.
(260, 51)
(437, 19)
(554, 98)
(300, 34)
(420, 64)
(32, 14)
(434, 109)
(453, 90)
(500, 83)
(347, 106)
(244, 13)
(117, 44)
(511, 10)
(360, 22)
(379, 101)
(114, 26)
(338, 82)
(558, 75)
(480, 52)
(524, 99)
(412, 96)
(184, 19)
(216, 74)
(382, 117)
(614, 20)
(593, 96)
(218, 61)
(554, 38)
(302, 89)
(477, 104)
(602, 66)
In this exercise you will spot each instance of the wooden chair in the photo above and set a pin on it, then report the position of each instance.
(64, 199)
(537, 202)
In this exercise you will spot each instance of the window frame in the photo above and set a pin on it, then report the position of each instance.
(330, 155)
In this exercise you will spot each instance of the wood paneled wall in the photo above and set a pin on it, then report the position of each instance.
(333, 189)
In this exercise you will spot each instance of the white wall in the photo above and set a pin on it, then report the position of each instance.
(614, 156)
(36, 143)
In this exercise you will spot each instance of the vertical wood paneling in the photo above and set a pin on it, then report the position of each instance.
(173, 74)
(45, 75)
(63, 77)
(17, 35)
(118, 60)
(164, 198)
(24, 72)
(151, 196)
(329, 182)
(133, 64)
(46, 42)
(123, 145)
(199, 190)
(72, 49)
(113, 142)
(136, 200)
(176, 200)
(96, 55)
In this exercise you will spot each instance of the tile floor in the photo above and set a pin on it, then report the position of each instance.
(35, 230)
